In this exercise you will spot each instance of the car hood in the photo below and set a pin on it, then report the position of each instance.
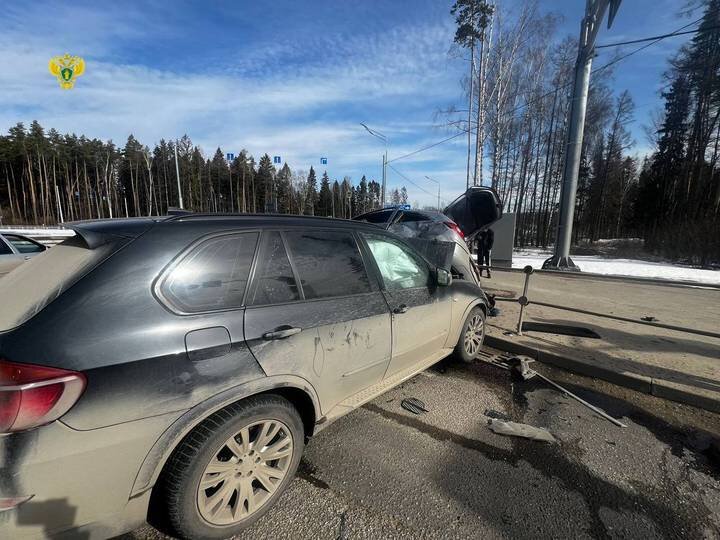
(475, 210)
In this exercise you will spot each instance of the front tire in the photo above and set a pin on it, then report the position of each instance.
(472, 336)
(231, 469)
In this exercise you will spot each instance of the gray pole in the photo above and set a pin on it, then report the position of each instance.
(177, 174)
(594, 13)
(382, 204)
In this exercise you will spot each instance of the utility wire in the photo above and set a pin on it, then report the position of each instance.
(654, 40)
(413, 183)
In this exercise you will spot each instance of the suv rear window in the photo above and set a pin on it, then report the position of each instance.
(376, 217)
(328, 263)
(33, 285)
(212, 276)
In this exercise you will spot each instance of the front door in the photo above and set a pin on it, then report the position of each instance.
(313, 312)
(421, 311)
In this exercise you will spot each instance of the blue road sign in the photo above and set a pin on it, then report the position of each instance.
(229, 156)
(276, 159)
(398, 206)
(323, 161)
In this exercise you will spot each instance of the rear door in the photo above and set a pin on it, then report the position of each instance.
(313, 311)
(421, 311)
(475, 210)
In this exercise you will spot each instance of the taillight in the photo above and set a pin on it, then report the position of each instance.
(454, 226)
(31, 396)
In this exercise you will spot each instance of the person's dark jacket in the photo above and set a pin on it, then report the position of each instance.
(486, 240)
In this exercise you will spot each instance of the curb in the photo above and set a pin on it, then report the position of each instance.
(656, 387)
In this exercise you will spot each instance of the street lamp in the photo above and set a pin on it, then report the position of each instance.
(438, 184)
(383, 138)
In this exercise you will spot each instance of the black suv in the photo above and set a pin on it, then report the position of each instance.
(174, 367)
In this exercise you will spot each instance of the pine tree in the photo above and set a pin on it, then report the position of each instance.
(265, 185)
(312, 199)
(284, 190)
(325, 199)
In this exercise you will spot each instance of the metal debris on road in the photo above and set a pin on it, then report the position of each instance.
(520, 365)
(413, 405)
(514, 429)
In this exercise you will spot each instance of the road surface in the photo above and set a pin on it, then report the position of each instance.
(382, 472)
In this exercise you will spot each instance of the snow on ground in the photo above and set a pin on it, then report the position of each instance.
(621, 267)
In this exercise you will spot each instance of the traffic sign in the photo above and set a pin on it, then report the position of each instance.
(323, 161)
(276, 159)
(230, 156)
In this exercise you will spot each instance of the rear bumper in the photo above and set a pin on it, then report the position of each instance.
(80, 480)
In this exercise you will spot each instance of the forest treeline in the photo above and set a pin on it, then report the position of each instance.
(518, 93)
(49, 176)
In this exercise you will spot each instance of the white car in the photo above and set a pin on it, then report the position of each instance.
(15, 250)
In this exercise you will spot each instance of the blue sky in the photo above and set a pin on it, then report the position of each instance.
(289, 78)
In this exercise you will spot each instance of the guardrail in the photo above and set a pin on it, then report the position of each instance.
(48, 236)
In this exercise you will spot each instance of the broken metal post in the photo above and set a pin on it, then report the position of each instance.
(523, 300)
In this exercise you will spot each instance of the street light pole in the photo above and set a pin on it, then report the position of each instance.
(438, 185)
(383, 138)
(177, 174)
(594, 13)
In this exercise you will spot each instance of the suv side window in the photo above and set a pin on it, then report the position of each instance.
(399, 267)
(213, 275)
(274, 278)
(328, 263)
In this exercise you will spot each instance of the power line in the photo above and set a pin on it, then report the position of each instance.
(566, 85)
(413, 183)
(428, 147)
(654, 38)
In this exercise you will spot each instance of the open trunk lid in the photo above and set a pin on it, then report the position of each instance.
(475, 210)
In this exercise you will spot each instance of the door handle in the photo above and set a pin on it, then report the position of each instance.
(28, 257)
(402, 308)
(282, 332)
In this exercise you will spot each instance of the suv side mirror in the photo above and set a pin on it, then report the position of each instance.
(444, 278)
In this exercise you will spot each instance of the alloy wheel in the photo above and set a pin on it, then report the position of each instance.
(245, 472)
(474, 334)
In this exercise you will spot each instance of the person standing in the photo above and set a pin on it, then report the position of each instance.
(485, 242)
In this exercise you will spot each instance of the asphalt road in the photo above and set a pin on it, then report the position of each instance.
(382, 472)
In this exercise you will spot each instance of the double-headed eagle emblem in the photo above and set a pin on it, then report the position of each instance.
(67, 69)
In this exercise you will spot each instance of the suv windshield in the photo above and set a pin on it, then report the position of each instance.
(33, 285)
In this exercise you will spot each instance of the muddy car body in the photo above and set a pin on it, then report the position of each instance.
(134, 367)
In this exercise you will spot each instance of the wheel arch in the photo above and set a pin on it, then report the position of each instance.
(295, 389)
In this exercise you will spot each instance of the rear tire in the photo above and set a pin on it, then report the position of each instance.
(472, 336)
(245, 455)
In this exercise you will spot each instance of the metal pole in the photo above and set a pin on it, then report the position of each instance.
(595, 10)
(438, 197)
(57, 196)
(523, 300)
(382, 203)
(177, 174)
